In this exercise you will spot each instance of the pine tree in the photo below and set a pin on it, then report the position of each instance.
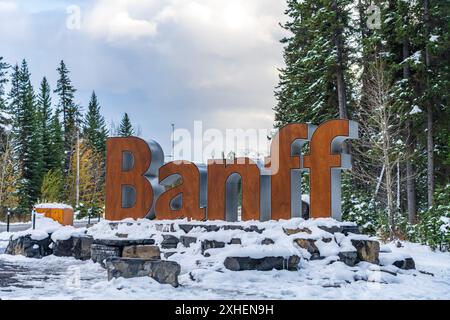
(3, 80)
(44, 108)
(14, 95)
(4, 115)
(27, 140)
(56, 160)
(125, 127)
(94, 130)
(70, 112)
(315, 84)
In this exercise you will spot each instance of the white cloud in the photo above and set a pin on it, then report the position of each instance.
(13, 21)
(114, 20)
(224, 52)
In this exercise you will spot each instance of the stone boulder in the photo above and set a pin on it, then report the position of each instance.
(297, 230)
(213, 228)
(30, 248)
(169, 241)
(165, 272)
(235, 241)
(341, 229)
(309, 245)
(267, 241)
(405, 264)
(350, 229)
(187, 241)
(165, 227)
(141, 252)
(100, 252)
(124, 242)
(350, 258)
(261, 264)
(78, 246)
(208, 227)
(211, 244)
(332, 229)
(367, 250)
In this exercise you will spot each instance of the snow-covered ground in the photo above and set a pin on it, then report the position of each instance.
(66, 278)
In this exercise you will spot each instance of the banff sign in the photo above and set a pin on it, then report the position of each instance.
(139, 184)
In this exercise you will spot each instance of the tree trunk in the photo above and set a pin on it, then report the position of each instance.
(410, 176)
(410, 179)
(340, 81)
(388, 178)
(430, 143)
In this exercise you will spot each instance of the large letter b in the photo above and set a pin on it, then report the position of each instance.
(129, 193)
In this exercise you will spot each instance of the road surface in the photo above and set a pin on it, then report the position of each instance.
(25, 226)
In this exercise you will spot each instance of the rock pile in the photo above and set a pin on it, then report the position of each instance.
(141, 248)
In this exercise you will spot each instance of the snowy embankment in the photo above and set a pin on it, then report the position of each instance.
(206, 278)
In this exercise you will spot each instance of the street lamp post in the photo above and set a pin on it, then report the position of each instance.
(7, 220)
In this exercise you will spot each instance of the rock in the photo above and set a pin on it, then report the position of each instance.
(332, 229)
(246, 229)
(262, 264)
(30, 248)
(327, 240)
(141, 252)
(267, 241)
(208, 227)
(213, 228)
(169, 242)
(367, 250)
(350, 229)
(309, 244)
(168, 254)
(78, 247)
(101, 252)
(253, 229)
(350, 258)
(165, 227)
(232, 227)
(187, 241)
(114, 225)
(163, 271)
(63, 248)
(235, 241)
(121, 235)
(211, 244)
(298, 230)
(124, 242)
(82, 247)
(405, 264)
(186, 227)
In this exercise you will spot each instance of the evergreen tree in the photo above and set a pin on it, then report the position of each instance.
(94, 130)
(4, 116)
(3, 80)
(70, 112)
(45, 114)
(14, 95)
(56, 160)
(315, 84)
(27, 140)
(125, 127)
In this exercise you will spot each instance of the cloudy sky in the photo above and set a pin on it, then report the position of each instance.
(162, 61)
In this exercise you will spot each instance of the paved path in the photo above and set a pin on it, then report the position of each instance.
(25, 226)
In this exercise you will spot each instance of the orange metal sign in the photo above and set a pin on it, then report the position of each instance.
(139, 185)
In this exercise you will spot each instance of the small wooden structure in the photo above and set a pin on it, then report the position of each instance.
(56, 211)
